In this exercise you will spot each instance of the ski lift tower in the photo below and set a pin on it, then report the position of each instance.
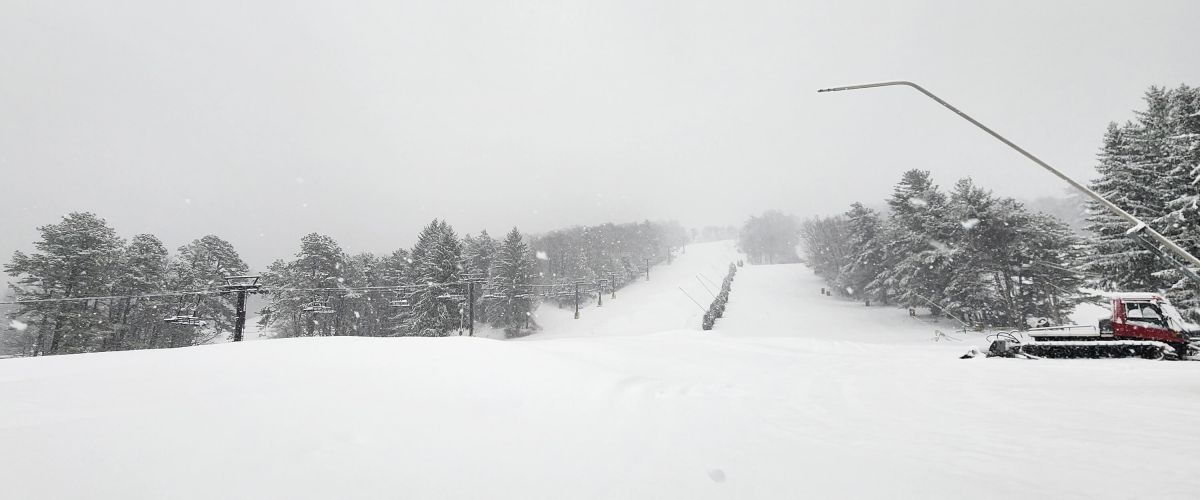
(1140, 232)
(472, 280)
(600, 283)
(241, 285)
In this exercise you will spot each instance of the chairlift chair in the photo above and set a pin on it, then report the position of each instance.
(182, 318)
(317, 307)
(185, 319)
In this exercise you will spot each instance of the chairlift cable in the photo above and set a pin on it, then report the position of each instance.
(111, 297)
(184, 293)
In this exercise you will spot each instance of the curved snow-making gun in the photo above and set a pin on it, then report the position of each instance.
(1168, 341)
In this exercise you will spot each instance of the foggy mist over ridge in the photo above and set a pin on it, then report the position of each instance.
(263, 122)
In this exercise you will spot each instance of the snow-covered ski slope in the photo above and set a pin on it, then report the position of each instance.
(794, 395)
(674, 298)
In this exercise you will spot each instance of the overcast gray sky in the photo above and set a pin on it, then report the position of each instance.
(261, 121)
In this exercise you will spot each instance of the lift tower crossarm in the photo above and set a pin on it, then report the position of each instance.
(1140, 226)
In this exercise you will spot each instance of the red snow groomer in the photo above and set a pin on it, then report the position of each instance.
(1142, 325)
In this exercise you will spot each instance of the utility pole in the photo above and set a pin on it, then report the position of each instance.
(646, 260)
(471, 308)
(576, 300)
(241, 285)
(239, 328)
(1140, 232)
(472, 279)
(612, 277)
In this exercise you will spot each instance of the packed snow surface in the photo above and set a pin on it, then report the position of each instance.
(793, 395)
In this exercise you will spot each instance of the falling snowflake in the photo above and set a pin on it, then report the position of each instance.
(918, 202)
(542, 255)
(970, 223)
(17, 325)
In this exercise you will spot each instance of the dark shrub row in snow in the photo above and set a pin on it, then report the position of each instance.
(717, 308)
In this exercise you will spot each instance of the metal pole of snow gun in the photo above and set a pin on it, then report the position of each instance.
(1140, 231)
(689, 296)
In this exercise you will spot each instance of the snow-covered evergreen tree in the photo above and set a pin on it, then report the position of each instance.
(394, 270)
(826, 246)
(364, 311)
(143, 269)
(982, 259)
(865, 254)
(1181, 156)
(1116, 261)
(75, 258)
(1149, 168)
(513, 272)
(1049, 282)
(436, 308)
(1006, 263)
(979, 290)
(202, 266)
(315, 278)
(616, 252)
(478, 254)
(917, 273)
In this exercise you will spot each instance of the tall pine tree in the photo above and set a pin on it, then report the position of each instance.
(513, 273)
(437, 306)
(74, 258)
(202, 265)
